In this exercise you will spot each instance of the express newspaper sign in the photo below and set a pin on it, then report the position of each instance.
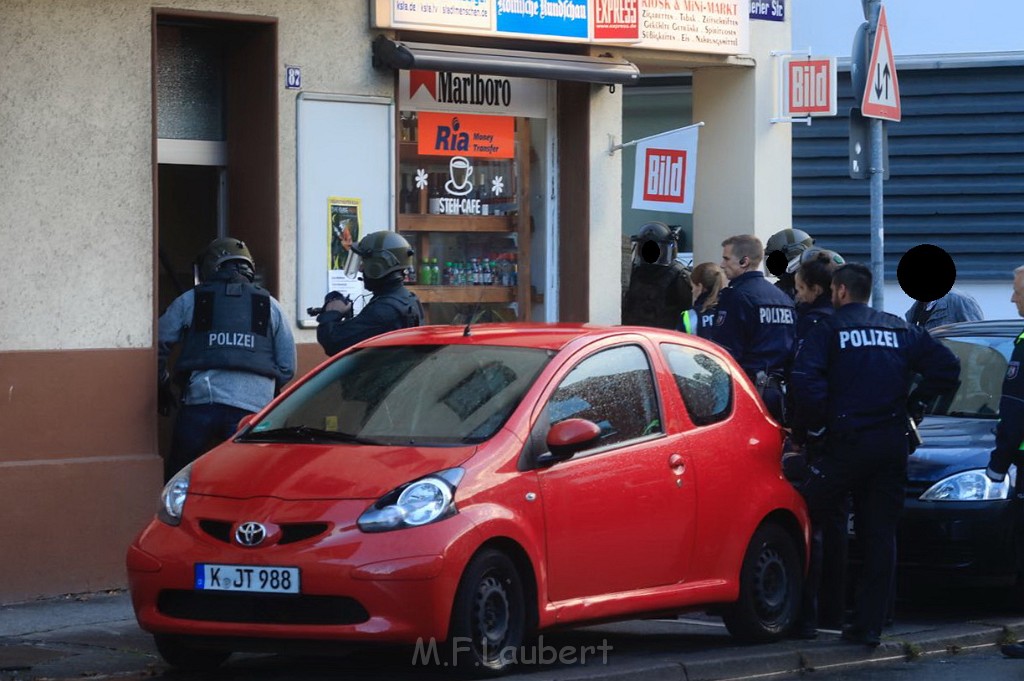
(666, 171)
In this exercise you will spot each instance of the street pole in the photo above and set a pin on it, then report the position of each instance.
(877, 227)
(871, 11)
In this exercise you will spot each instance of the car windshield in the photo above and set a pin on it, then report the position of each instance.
(983, 362)
(425, 395)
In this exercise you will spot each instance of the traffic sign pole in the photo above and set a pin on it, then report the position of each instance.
(877, 226)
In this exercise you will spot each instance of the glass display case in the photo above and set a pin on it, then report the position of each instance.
(461, 179)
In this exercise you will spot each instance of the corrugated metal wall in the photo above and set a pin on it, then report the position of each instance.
(956, 168)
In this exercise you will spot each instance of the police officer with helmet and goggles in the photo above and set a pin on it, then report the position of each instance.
(237, 351)
(382, 257)
(659, 285)
(783, 252)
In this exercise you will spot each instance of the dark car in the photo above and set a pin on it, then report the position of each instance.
(958, 527)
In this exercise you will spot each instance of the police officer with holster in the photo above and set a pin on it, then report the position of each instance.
(756, 321)
(237, 351)
(850, 383)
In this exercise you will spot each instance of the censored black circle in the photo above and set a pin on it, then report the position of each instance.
(926, 273)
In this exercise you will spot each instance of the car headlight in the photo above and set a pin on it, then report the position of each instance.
(419, 502)
(972, 485)
(172, 499)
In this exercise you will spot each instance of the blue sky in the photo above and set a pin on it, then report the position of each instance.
(915, 26)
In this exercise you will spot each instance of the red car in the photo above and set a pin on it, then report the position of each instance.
(465, 488)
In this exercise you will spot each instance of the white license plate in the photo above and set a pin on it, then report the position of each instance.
(252, 578)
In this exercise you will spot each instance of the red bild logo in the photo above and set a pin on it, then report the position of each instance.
(664, 172)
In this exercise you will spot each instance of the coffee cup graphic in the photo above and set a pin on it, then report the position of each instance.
(460, 171)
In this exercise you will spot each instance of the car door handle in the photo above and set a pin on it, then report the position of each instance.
(677, 464)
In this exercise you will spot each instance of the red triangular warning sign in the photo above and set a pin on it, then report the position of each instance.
(882, 92)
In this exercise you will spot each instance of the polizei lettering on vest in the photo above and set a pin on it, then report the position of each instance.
(474, 89)
(226, 339)
(776, 315)
(860, 338)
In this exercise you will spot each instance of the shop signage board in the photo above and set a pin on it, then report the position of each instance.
(445, 134)
(472, 93)
(708, 26)
(809, 87)
(882, 91)
(666, 171)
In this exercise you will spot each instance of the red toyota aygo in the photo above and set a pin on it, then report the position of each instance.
(469, 487)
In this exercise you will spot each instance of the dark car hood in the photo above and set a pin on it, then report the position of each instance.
(291, 471)
(951, 444)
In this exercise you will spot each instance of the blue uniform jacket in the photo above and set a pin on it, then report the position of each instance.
(1010, 430)
(697, 322)
(756, 323)
(855, 368)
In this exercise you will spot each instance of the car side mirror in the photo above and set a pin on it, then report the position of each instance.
(568, 437)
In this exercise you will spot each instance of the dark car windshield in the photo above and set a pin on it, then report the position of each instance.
(983, 362)
(409, 395)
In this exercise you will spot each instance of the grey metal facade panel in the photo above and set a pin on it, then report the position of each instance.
(956, 171)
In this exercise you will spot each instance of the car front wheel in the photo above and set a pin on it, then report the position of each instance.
(489, 615)
(770, 586)
(181, 654)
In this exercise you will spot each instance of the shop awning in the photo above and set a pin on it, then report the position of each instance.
(461, 59)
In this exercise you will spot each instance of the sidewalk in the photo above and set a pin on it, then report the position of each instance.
(95, 636)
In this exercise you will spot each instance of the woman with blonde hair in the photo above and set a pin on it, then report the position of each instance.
(707, 279)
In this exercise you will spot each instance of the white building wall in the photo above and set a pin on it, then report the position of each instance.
(76, 180)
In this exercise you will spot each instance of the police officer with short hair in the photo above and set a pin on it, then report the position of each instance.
(237, 351)
(382, 257)
(659, 285)
(850, 383)
(1010, 429)
(756, 321)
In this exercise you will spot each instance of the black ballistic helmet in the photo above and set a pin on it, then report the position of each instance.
(792, 242)
(654, 244)
(382, 253)
(222, 252)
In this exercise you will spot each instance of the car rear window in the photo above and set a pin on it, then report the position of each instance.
(412, 395)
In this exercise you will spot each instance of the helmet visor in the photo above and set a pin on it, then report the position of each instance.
(650, 252)
(354, 263)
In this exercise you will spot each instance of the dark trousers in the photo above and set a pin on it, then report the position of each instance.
(871, 465)
(824, 595)
(199, 428)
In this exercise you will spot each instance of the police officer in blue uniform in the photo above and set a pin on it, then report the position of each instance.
(850, 383)
(237, 351)
(1010, 429)
(756, 321)
(382, 257)
(707, 280)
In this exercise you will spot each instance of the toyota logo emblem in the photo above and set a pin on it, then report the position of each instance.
(250, 534)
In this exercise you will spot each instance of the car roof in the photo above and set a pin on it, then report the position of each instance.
(989, 327)
(548, 336)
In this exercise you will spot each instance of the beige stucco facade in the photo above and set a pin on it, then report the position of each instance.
(79, 469)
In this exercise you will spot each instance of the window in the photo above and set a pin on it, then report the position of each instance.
(614, 389)
(703, 382)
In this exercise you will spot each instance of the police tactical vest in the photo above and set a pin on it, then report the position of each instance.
(230, 330)
(652, 298)
(404, 303)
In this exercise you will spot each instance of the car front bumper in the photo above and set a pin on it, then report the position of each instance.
(394, 587)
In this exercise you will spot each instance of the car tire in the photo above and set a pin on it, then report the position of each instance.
(182, 655)
(488, 622)
(771, 580)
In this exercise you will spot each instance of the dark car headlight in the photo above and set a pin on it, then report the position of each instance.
(420, 502)
(972, 485)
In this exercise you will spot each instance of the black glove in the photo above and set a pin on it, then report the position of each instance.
(166, 400)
